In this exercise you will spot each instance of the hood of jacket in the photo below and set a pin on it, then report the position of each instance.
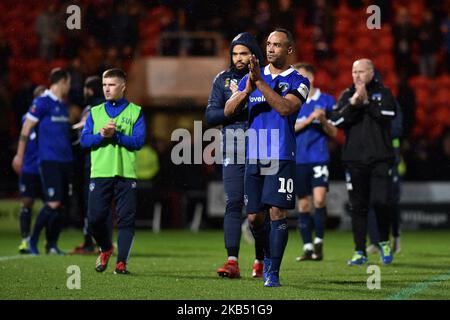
(246, 39)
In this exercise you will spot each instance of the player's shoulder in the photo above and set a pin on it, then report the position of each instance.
(134, 106)
(40, 101)
(297, 77)
(221, 75)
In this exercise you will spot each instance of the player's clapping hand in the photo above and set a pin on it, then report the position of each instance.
(360, 94)
(254, 69)
(233, 87)
(318, 114)
(109, 130)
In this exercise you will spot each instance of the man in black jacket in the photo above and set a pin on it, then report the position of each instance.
(365, 111)
(224, 85)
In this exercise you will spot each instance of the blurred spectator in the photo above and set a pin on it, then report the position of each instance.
(445, 28)
(429, 40)
(285, 15)
(72, 38)
(241, 20)
(91, 56)
(322, 49)
(403, 41)
(5, 53)
(47, 26)
(417, 157)
(76, 82)
(22, 100)
(322, 17)
(407, 100)
(111, 60)
(147, 168)
(262, 19)
(123, 29)
(442, 167)
(98, 21)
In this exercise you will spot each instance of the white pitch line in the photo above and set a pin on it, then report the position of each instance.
(8, 258)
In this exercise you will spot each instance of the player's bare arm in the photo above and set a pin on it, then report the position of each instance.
(303, 124)
(329, 129)
(237, 101)
(23, 140)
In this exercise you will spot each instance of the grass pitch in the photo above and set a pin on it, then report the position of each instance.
(176, 265)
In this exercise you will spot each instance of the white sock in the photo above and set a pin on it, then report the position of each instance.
(318, 240)
(233, 258)
(308, 247)
(258, 261)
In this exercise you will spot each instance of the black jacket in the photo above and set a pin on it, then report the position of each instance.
(367, 126)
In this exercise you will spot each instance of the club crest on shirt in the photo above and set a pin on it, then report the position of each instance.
(283, 86)
(228, 81)
(376, 97)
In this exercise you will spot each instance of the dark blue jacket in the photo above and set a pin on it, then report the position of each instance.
(221, 92)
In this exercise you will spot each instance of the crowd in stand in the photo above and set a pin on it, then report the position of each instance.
(114, 32)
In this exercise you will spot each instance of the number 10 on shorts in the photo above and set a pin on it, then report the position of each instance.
(286, 185)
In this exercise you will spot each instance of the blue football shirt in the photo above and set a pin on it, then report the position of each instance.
(275, 134)
(53, 129)
(312, 140)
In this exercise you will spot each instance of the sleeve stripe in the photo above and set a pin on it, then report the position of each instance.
(32, 118)
(387, 113)
(337, 122)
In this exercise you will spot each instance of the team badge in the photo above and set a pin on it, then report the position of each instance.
(283, 86)
(376, 97)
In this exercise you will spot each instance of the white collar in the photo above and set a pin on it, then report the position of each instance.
(50, 94)
(315, 96)
(283, 74)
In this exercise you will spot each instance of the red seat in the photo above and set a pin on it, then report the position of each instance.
(441, 97)
(420, 82)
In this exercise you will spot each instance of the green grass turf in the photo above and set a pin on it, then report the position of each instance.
(181, 265)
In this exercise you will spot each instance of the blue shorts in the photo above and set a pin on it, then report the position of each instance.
(30, 185)
(310, 176)
(263, 191)
(56, 180)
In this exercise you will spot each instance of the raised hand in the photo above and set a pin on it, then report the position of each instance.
(254, 68)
